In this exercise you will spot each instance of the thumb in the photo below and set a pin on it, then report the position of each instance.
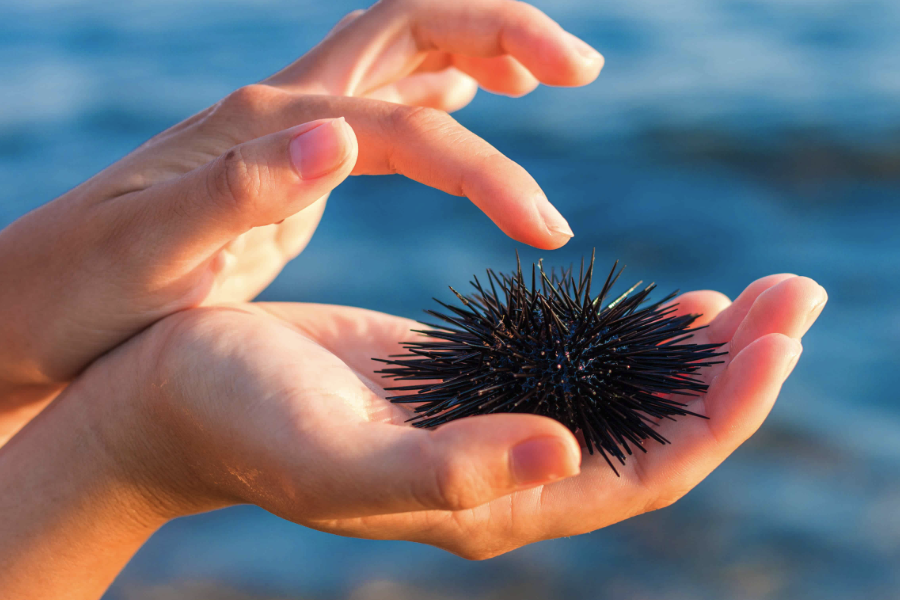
(460, 465)
(256, 183)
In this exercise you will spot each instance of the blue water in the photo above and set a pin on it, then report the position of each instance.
(723, 141)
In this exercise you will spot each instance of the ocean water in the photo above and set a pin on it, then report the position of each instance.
(725, 140)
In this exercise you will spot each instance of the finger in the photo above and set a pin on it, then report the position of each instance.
(346, 20)
(779, 313)
(742, 397)
(446, 90)
(705, 304)
(256, 183)
(423, 144)
(736, 405)
(237, 263)
(385, 43)
(461, 465)
(722, 328)
(435, 61)
(499, 74)
(790, 308)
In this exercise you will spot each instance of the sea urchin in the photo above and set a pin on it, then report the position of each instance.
(607, 369)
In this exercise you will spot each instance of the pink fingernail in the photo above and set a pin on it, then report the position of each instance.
(583, 48)
(795, 356)
(542, 460)
(817, 309)
(552, 219)
(320, 150)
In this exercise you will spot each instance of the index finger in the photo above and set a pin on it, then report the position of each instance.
(424, 144)
(390, 39)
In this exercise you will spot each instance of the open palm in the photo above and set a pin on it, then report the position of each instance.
(286, 399)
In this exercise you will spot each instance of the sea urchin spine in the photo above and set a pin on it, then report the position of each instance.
(609, 370)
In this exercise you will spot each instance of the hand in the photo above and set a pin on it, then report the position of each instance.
(210, 210)
(279, 405)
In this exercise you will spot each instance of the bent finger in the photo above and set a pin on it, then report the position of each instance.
(423, 144)
(346, 20)
(448, 90)
(387, 42)
(790, 308)
(396, 469)
(256, 183)
(500, 74)
(430, 147)
(722, 328)
(736, 405)
(705, 304)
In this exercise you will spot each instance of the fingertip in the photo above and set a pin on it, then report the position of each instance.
(726, 324)
(554, 55)
(452, 90)
(461, 95)
(322, 147)
(347, 19)
(589, 61)
(518, 90)
(599, 66)
(543, 460)
(789, 307)
(755, 289)
(556, 225)
(793, 355)
(706, 304)
(537, 449)
(502, 75)
(818, 307)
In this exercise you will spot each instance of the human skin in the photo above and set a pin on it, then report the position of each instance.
(278, 405)
(210, 210)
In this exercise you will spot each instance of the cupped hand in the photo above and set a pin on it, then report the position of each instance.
(210, 210)
(279, 405)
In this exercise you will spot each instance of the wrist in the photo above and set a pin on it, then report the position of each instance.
(138, 412)
(70, 520)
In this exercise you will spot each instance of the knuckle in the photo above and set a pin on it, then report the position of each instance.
(235, 182)
(253, 99)
(524, 11)
(455, 487)
(664, 499)
(402, 4)
(653, 498)
(418, 119)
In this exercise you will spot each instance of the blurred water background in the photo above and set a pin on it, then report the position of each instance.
(724, 140)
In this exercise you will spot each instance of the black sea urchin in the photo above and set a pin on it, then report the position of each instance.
(549, 348)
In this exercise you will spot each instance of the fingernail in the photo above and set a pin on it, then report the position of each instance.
(817, 309)
(320, 150)
(542, 460)
(795, 356)
(552, 219)
(583, 48)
